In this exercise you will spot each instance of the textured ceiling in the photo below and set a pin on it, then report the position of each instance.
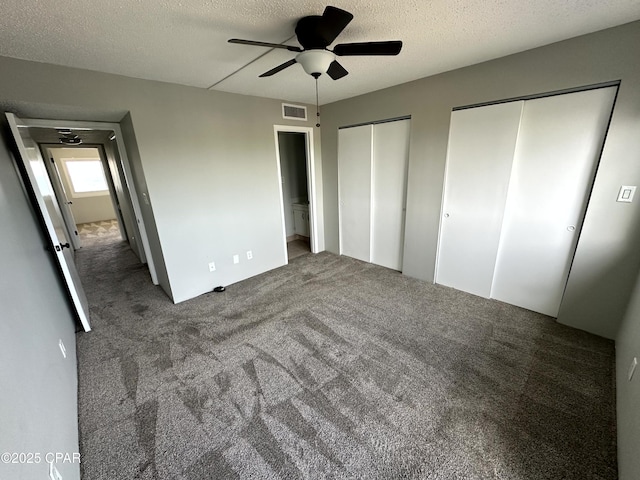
(185, 41)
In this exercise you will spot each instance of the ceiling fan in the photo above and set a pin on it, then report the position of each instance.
(315, 33)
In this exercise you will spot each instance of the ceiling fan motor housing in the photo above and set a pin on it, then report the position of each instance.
(309, 31)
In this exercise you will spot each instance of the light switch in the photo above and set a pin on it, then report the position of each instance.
(626, 193)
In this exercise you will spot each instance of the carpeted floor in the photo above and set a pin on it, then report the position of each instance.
(103, 230)
(333, 368)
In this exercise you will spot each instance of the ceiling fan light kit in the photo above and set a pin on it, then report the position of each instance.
(315, 62)
(315, 33)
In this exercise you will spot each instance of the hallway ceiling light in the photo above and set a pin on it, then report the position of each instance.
(71, 140)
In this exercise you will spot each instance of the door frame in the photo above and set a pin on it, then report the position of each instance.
(311, 184)
(63, 199)
(127, 171)
(582, 88)
(372, 125)
(54, 170)
(587, 197)
(33, 188)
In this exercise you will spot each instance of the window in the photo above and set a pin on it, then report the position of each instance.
(86, 177)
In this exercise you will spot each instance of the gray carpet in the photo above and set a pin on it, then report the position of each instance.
(333, 368)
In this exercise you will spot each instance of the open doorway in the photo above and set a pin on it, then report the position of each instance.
(65, 162)
(297, 184)
(97, 150)
(82, 182)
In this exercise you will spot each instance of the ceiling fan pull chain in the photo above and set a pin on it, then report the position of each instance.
(317, 103)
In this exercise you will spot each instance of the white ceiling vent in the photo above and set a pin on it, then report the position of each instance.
(294, 112)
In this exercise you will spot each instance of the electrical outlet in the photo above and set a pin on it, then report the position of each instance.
(249, 254)
(62, 349)
(54, 474)
(236, 259)
(632, 368)
(212, 266)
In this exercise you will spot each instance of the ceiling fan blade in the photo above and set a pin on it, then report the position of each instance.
(368, 48)
(279, 68)
(291, 48)
(333, 22)
(336, 71)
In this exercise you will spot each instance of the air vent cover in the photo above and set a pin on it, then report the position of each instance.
(294, 112)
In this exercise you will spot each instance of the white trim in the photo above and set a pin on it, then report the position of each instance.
(442, 200)
(372, 192)
(284, 227)
(63, 199)
(311, 182)
(80, 125)
(339, 190)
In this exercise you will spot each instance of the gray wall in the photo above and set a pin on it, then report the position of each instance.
(148, 216)
(293, 158)
(38, 404)
(208, 160)
(607, 256)
(628, 393)
(86, 208)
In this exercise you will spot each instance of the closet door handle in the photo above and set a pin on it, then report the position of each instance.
(446, 215)
(571, 228)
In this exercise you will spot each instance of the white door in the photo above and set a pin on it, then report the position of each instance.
(64, 202)
(481, 145)
(354, 191)
(553, 169)
(31, 158)
(390, 162)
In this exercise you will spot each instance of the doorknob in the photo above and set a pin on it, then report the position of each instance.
(571, 228)
(446, 215)
(65, 245)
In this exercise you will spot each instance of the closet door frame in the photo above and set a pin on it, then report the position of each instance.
(515, 99)
(371, 150)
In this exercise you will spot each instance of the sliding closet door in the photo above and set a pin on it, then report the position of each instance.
(390, 162)
(554, 165)
(354, 191)
(481, 145)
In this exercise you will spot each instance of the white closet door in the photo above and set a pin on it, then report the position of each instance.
(354, 190)
(481, 145)
(555, 161)
(390, 161)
